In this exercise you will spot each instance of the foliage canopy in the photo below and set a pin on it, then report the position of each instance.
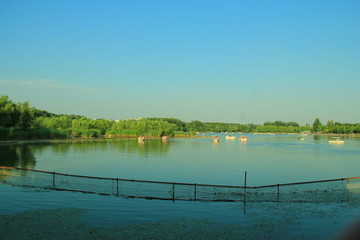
(20, 121)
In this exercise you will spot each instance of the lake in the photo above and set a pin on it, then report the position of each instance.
(267, 159)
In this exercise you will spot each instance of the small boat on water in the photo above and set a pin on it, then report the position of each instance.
(230, 137)
(243, 139)
(165, 138)
(215, 139)
(301, 138)
(141, 139)
(336, 140)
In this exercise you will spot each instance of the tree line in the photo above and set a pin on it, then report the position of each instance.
(335, 127)
(20, 121)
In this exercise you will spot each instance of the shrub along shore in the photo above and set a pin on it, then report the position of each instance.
(19, 121)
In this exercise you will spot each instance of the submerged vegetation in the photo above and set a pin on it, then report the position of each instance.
(20, 121)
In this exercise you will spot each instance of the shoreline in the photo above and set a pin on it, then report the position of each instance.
(80, 139)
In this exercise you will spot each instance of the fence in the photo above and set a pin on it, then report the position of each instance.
(333, 190)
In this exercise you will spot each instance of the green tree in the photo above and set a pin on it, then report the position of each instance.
(26, 118)
(195, 126)
(180, 125)
(9, 112)
(330, 123)
(317, 126)
(103, 125)
(82, 123)
(293, 124)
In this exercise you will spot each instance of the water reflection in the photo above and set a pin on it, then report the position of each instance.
(61, 148)
(146, 147)
(155, 146)
(17, 156)
(82, 146)
(279, 158)
(24, 156)
(243, 146)
(317, 137)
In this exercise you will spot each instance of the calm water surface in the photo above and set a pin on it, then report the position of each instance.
(268, 159)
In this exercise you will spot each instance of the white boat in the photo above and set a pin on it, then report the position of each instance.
(141, 139)
(301, 138)
(230, 137)
(215, 139)
(243, 139)
(336, 140)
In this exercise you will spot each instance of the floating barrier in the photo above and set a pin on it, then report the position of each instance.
(332, 190)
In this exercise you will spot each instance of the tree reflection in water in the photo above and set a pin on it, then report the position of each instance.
(148, 147)
(17, 156)
(24, 155)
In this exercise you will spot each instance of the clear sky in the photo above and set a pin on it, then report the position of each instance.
(227, 61)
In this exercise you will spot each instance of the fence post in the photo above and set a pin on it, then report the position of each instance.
(195, 192)
(173, 193)
(117, 187)
(53, 179)
(245, 186)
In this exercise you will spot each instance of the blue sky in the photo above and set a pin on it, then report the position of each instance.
(226, 61)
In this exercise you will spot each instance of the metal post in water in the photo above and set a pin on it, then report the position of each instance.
(245, 186)
(173, 191)
(195, 192)
(54, 179)
(245, 192)
(117, 187)
(278, 192)
(244, 208)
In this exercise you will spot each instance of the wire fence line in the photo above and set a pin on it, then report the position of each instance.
(331, 190)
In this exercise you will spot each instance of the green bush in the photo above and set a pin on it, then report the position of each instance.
(183, 134)
(122, 132)
(91, 133)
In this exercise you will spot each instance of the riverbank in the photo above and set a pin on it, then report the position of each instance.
(101, 139)
(80, 139)
(55, 141)
(351, 135)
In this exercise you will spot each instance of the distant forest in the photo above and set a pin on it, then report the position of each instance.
(20, 121)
